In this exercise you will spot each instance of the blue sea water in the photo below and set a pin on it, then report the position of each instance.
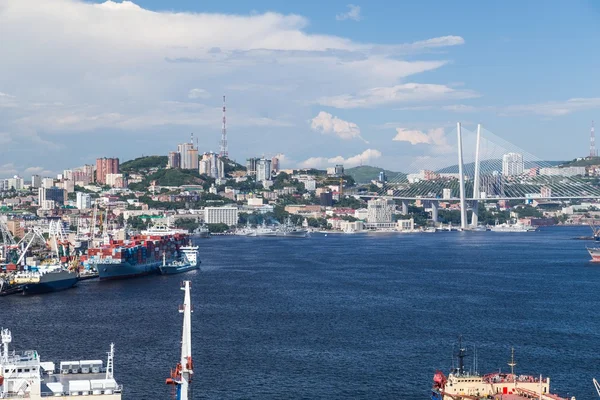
(337, 316)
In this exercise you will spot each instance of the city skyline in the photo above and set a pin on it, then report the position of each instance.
(319, 85)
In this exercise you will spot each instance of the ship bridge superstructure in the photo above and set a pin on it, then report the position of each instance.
(24, 376)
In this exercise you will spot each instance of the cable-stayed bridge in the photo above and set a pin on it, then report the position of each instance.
(486, 167)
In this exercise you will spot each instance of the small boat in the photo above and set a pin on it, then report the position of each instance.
(188, 262)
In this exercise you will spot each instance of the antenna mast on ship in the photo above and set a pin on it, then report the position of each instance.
(461, 354)
(182, 376)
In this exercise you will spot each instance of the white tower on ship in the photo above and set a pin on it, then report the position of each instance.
(182, 376)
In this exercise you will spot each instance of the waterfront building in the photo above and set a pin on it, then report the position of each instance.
(382, 178)
(84, 201)
(512, 164)
(174, 160)
(221, 215)
(105, 166)
(380, 211)
(361, 213)
(36, 181)
(405, 224)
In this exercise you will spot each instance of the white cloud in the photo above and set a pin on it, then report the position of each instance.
(407, 92)
(8, 169)
(118, 67)
(554, 108)
(435, 137)
(198, 94)
(461, 108)
(328, 124)
(353, 13)
(34, 170)
(321, 162)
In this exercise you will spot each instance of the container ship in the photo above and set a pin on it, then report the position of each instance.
(141, 255)
(461, 384)
(25, 376)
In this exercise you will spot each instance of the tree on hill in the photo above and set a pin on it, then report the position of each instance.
(144, 163)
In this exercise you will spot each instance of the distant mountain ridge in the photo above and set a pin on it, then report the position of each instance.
(367, 173)
(495, 165)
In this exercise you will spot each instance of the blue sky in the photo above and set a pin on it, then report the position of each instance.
(382, 85)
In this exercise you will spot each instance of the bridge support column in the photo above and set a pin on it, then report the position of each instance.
(476, 193)
(475, 217)
(435, 205)
(404, 207)
(461, 179)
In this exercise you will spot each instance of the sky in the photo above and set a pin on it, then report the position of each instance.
(316, 82)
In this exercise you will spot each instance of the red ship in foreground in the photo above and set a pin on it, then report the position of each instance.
(465, 385)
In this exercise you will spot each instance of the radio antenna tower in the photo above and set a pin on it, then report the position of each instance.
(224, 152)
(593, 151)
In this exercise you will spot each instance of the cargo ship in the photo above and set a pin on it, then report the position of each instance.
(45, 279)
(188, 261)
(25, 376)
(141, 255)
(595, 253)
(462, 384)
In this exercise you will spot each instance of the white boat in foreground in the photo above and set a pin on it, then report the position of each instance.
(24, 375)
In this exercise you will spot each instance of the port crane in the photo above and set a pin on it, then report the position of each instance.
(181, 377)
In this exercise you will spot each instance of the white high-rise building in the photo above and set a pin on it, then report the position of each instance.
(16, 182)
(380, 211)
(263, 170)
(212, 165)
(221, 215)
(84, 201)
(512, 164)
(188, 158)
(47, 183)
(36, 181)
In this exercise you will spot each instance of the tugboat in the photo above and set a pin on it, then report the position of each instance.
(462, 384)
(25, 376)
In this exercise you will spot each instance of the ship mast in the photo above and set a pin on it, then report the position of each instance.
(461, 354)
(182, 376)
(512, 364)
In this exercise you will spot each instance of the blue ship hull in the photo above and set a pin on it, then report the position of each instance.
(126, 270)
(47, 287)
(171, 270)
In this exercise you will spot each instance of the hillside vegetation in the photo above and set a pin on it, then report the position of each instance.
(366, 173)
(144, 163)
